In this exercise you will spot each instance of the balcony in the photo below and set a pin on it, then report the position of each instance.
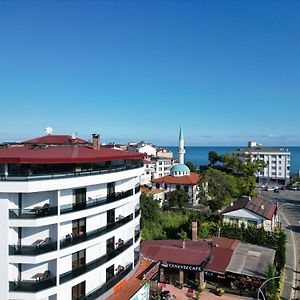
(107, 285)
(137, 234)
(95, 263)
(137, 212)
(31, 285)
(67, 242)
(40, 248)
(33, 213)
(34, 175)
(95, 202)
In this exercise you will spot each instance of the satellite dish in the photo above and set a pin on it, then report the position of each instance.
(48, 130)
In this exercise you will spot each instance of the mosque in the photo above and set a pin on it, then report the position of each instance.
(180, 178)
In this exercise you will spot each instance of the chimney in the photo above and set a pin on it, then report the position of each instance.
(231, 203)
(95, 141)
(262, 206)
(183, 244)
(194, 231)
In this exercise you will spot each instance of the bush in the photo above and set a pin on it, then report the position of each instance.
(220, 291)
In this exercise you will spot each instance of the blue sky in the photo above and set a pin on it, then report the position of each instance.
(228, 71)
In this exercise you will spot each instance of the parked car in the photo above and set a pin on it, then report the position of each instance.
(277, 191)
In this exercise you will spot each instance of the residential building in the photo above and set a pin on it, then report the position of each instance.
(277, 171)
(157, 194)
(252, 211)
(70, 218)
(180, 178)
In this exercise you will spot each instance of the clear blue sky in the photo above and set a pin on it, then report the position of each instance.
(228, 71)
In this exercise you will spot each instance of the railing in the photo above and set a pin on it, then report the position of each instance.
(137, 189)
(137, 234)
(107, 285)
(31, 285)
(27, 177)
(32, 213)
(95, 202)
(137, 212)
(67, 242)
(95, 263)
(32, 249)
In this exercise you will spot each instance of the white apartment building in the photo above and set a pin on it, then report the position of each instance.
(277, 171)
(70, 218)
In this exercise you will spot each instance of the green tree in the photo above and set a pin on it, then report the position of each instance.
(150, 209)
(218, 188)
(213, 157)
(271, 286)
(191, 166)
(178, 198)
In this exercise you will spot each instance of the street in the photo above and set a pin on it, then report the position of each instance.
(289, 211)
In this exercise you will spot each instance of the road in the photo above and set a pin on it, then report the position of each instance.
(289, 209)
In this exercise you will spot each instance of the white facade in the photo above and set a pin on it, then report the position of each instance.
(277, 170)
(247, 217)
(40, 242)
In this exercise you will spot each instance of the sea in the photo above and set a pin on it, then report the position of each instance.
(198, 155)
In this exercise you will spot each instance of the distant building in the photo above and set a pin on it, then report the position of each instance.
(157, 194)
(256, 211)
(180, 178)
(278, 159)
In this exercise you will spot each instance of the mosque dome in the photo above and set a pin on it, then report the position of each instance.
(180, 170)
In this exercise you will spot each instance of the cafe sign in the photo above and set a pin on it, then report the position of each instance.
(181, 267)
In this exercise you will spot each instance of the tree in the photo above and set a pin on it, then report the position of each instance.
(218, 187)
(150, 209)
(213, 157)
(271, 286)
(178, 198)
(191, 166)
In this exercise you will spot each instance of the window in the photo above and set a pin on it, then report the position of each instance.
(110, 272)
(177, 187)
(79, 196)
(166, 186)
(111, 216)
(78, 259)
(251, 222)
(78, 290)
(186, 188)
(78, 227)
(157, 185)
(110, 244)
(111, 188)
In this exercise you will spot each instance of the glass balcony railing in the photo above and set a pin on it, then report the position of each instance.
(137, 212)
(137, 235)
(107, 285)
(32, 213)
(31, 285)
(95, 263)
(72, 173)
(32, 249)
(67, 242)
(95, 202)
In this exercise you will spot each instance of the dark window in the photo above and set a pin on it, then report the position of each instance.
(111, 188)
(166, 186)
(78, 259)
(78, 227)
(157, 185)
(186, 188)
(110, 272)
(78, 290)
(110, 244)
(177, 187)
(110, 216)
(79, 196)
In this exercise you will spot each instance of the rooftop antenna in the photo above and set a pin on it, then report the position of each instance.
(48, 130)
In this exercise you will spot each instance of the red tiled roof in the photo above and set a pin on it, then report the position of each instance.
(194, 253)
(257, 205)
(56, 155)
(191, 179)
(223, 242)
(56, 140)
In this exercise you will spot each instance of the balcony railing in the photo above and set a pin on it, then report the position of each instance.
(137, 234)
(43, 176)
(32, 249)
(137, 212)
(95, 263)
(67, 242)
(107, 285)
(31, 285)
(95, 202)
(32, 213)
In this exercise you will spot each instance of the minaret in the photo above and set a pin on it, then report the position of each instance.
(181, 150)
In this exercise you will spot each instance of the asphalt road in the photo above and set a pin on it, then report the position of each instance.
(289, 209)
